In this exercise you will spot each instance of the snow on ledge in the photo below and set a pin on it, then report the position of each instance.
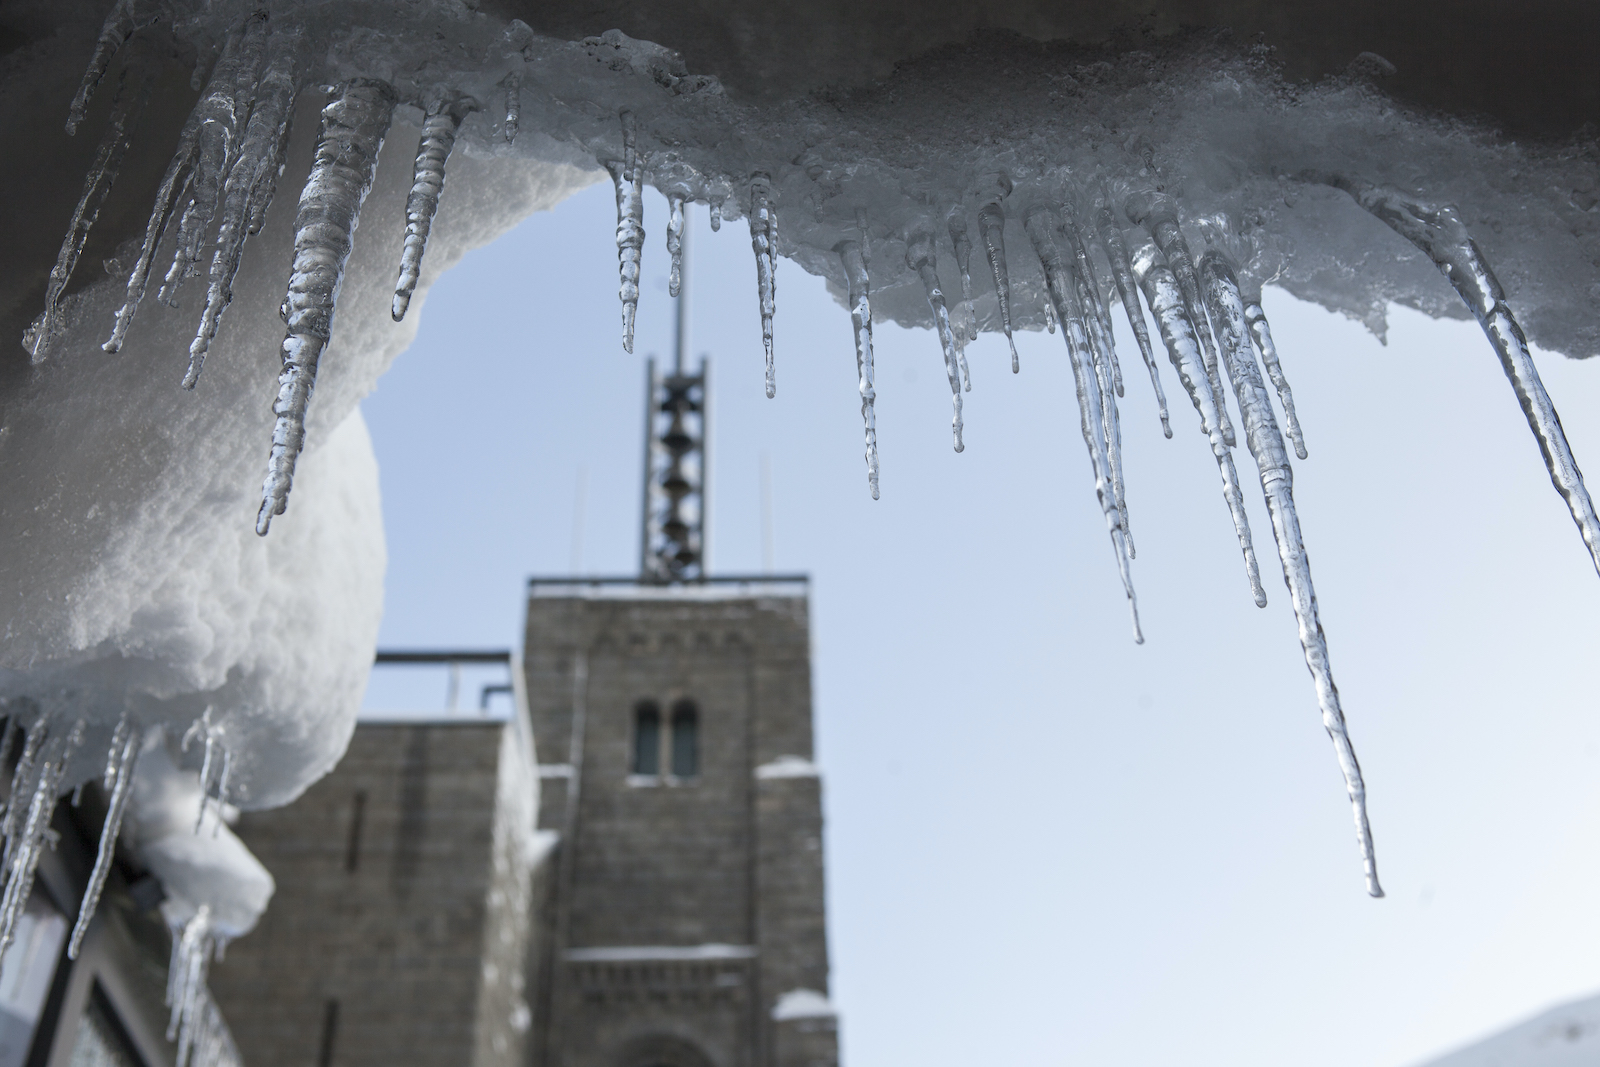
(642, 953)
(789, 767)
(802, 1004)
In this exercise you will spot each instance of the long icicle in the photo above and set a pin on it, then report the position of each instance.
(920, 258)
(250, 187)
(763, 227)
(1261, 333)
(21, 782)
(1439, 232)
(1039, 224)
(956, 221)
(126, 18)
(992, 231)
(176, 183)
(1178, 334)
(353, 128)
(675, 242)
(439, 132)
(1277, 485)
(1096, 327)
(133, 93)
(1158, 214)
(24, 858)
(853, 256)
(1116, 250)
(630, 244)
(225, 108)
(120, 764)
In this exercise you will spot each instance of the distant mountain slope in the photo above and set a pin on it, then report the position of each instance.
(1568, 1036)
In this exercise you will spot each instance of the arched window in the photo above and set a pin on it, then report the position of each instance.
(647, 739)
(685, 739)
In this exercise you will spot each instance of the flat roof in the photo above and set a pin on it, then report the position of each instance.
(721, 587)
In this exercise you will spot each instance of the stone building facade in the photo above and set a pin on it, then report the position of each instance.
(681, 919)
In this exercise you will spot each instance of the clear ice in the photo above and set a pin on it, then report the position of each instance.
(439, 131)
(513, 87)
(1277, 485)
(1116, 250)
(126, 17)
(120, 763)
(195, 1022)
(920, 258)
(1261, 333)
(250, 186)
(353, 128)
(956, 221)
(992, 231)
(675, 243)
(1183, 348)
(627, 180)
(764, 242)
(1039, 224)
(853, 255)
(1439, 232)
(27, 835)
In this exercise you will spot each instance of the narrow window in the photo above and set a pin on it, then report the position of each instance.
(330, 1032)
(352, 851)
(685, 740)
(647, 739)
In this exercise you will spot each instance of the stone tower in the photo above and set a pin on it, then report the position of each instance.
(680, 918)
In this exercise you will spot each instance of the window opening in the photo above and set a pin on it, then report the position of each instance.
(647, 739)
(685, 740)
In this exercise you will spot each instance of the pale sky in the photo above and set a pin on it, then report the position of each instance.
(1045, 844)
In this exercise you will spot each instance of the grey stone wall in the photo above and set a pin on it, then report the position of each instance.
(399, 927)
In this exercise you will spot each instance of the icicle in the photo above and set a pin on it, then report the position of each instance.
(1116, 250)
(1439, 232)
(1159, 215)
(1277, 484)
(353, 127)
(957, 223)
(225, 110)
(763, 239)
(250, 187)
(133, 92)
(192, 948)
(439, 132)
(513, 87)
(853, 257)
(23, 854)
(1089, 293)
(1256, 319)
(1178, 334)
(125, 19)
(207, 132)
(991, 230)
(630, 243)
(22, 783)
(716, 215)
(1097, 331)
(216, 758)
(920, 258)
(675, 243)
(120, 764)
(1039, 226)
(1049, 316)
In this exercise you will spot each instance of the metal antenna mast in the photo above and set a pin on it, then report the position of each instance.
(673, 541)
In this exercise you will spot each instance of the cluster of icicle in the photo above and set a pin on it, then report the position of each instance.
(36, 782)
(195, 1022)
(222, 179)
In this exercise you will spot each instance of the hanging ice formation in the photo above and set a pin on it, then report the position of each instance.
(675, 244)
(195, 1022)
(118, 780)
(625, 175)
(764, 241)
(439, 131)
(35, 788)
(920, 258)
(1439, 232)
(1208, 313)
(1089, 380)
(353, 128)
(216, 763)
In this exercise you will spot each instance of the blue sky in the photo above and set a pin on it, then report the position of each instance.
(1047, 844)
